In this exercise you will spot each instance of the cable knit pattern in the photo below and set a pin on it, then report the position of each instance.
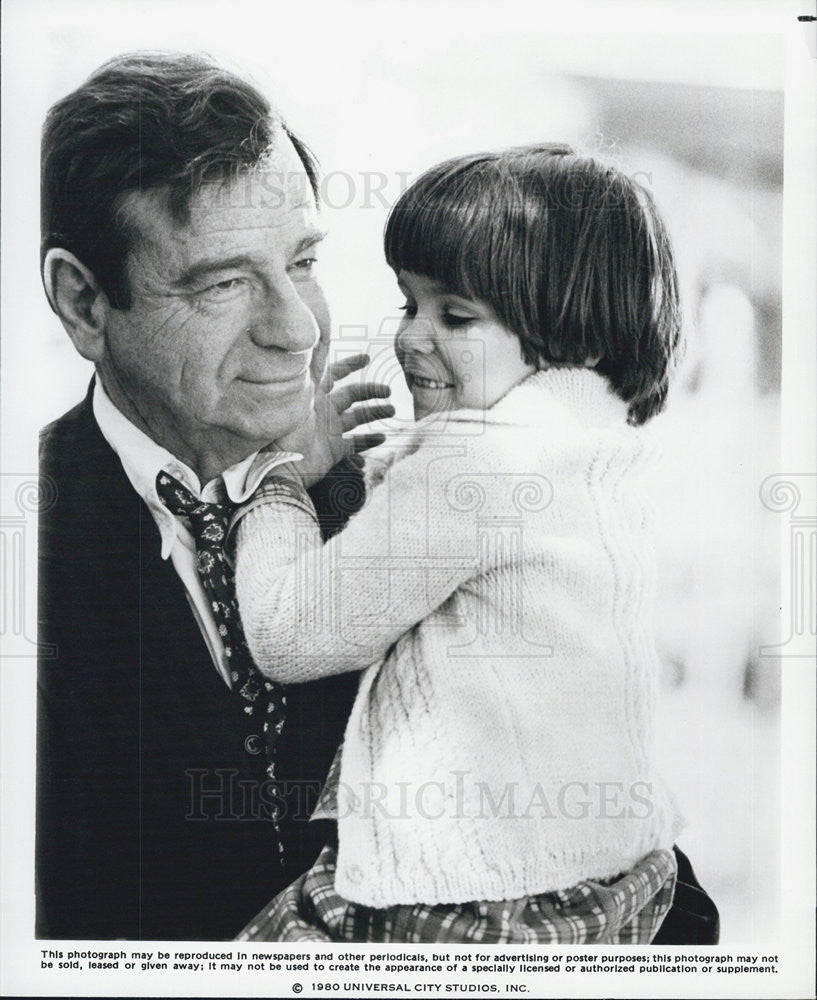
(498, 587)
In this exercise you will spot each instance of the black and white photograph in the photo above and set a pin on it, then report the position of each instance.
(408, 498)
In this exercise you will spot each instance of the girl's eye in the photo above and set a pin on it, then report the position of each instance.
(408, 308)
(454, 320)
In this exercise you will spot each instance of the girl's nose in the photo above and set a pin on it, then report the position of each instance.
(415, 333)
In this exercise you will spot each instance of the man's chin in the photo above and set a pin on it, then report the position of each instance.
(259, 433)
(292, 435)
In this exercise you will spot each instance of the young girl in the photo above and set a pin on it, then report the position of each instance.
(496, 781)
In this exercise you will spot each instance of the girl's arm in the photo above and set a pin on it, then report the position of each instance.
(310, 610)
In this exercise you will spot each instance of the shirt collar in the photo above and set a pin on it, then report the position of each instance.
(143, 459)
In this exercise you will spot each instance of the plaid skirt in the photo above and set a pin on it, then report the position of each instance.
(627, 909)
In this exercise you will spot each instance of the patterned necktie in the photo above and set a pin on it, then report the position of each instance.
(261, 699)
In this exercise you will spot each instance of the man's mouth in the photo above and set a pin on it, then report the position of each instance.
(287, 381)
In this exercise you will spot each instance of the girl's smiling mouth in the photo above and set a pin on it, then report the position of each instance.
(421, 382)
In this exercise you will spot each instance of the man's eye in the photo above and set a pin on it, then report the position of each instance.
(224, 289)
(305, 265)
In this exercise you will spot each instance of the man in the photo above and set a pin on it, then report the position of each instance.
(180, 231)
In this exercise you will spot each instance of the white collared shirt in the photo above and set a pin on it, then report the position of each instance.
(143, 459)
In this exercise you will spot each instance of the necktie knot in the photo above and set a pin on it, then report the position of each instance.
(179, 500)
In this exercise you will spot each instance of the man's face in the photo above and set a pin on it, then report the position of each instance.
(213, 357)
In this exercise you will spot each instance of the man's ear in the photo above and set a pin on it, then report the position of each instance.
(77, 298)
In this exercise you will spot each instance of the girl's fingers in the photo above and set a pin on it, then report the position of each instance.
(365, 414)
(344, 397)
(362, 442)
(340, 369)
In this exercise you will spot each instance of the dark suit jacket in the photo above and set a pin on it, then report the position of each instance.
(153, 808)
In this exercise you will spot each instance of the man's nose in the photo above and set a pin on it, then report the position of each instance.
(286, 322)
(415, 333)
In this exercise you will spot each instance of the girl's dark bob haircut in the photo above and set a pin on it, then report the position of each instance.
(569, 252)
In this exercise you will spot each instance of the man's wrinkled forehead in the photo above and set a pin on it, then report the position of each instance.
(272, 201)
(269, 196)
(265, 196)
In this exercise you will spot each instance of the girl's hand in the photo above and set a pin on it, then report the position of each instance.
(320, 439)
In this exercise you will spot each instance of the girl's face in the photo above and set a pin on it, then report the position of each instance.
(454, 352)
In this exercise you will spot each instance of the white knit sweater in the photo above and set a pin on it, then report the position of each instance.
(497, 584)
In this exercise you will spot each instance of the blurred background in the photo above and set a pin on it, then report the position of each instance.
(383, 91)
